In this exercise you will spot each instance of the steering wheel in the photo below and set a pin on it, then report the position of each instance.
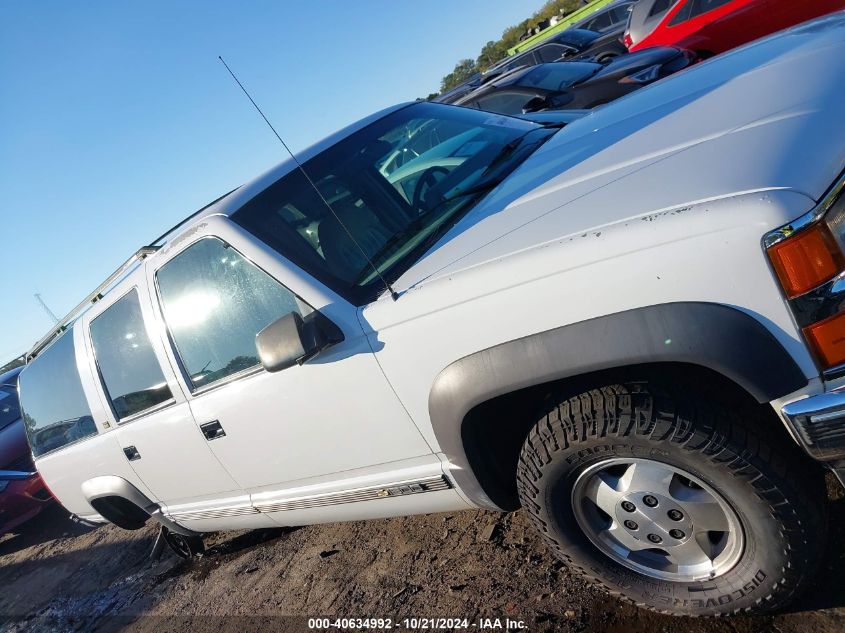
(425, 182)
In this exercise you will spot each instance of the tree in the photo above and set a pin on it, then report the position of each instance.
(464, 69)
(497, 50)
(492, 52)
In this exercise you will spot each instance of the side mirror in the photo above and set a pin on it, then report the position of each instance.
(535, 104)
(292, 340)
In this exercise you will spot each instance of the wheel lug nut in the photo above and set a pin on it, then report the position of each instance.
(678, 534)
(675, 515)
(650, 501)
(631, 525)
(654, 538)
(627, 506)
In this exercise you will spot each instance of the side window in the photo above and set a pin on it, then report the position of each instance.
(619, 15)
(128, 367)
(701, 7)
(9, 411)
(505, 102)
(526, 59)
(600, 22)
(660, 7)
(550, 52)
(683, 14)
(55, 410)
(214, 303)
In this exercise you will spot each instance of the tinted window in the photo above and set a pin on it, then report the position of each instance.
(55, 409)
(505, 102)
(660, 7)
(620, 14)
(215, 302)
(599, 23)
(700, 7)
(557, 77)
(130, 371)
(551, 52)
(683, 14)
(527, 59)
(9, 411)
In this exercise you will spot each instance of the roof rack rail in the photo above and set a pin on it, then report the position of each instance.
(161, 237)
(94, 297)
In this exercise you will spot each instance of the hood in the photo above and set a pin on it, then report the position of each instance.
(763, 117)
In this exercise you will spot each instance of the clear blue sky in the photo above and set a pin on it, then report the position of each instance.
(117, 120)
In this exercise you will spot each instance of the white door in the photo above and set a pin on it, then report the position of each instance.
(318, 421)
(150, 418)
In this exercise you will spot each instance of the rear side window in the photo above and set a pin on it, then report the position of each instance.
(128, 367)
(505, 102)
(619, 15)
(599, 23)
(683, 14)
(527, 59)
(55, 409)
(660, 7)
(551, 52)
(9, 411)
(214, 303)
(700, 7)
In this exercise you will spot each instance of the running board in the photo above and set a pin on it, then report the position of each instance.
(370, 493)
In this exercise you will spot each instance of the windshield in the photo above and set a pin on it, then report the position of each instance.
(557, 77)
(394, 186)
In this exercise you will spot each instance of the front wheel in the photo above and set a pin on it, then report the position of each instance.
(182, 545)
(671, 502)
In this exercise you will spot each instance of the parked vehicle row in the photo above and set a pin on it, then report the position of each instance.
(631, 327)
(701, 28)
(580, 85)
(570, 45)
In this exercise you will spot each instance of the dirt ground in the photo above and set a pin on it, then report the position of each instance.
(58, 576)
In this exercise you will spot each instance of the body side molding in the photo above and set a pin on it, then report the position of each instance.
(721, 338)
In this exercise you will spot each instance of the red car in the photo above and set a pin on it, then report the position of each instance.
(709, 27)
(22, 492)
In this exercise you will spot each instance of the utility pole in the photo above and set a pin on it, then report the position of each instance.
(46, 309)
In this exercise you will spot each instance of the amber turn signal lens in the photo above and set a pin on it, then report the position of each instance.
(806, 260)
(828, 340)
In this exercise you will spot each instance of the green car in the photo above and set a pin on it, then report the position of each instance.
(565, 23)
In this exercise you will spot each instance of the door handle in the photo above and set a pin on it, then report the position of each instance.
(131, 453)
(212, 430)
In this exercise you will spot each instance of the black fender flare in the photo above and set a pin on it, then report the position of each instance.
(113, 487)
(719, 337)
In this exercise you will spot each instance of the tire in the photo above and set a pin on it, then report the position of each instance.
(184, 546)
(767, 489)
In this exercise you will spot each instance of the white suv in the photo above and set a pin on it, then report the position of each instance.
(631, 327)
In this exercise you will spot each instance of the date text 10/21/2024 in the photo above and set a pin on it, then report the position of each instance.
(416, 624)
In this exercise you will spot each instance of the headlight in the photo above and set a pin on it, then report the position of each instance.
(4, 483)
(644, 76)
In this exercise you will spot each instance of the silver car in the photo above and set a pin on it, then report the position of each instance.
(643, 17)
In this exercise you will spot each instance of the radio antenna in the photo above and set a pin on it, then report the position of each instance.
(393, 294)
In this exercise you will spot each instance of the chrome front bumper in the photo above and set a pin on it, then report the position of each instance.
(818, 423)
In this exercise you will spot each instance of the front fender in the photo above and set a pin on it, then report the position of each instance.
(718, 337)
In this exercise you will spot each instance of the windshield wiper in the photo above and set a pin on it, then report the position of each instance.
(411, 228)
(479, 187)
